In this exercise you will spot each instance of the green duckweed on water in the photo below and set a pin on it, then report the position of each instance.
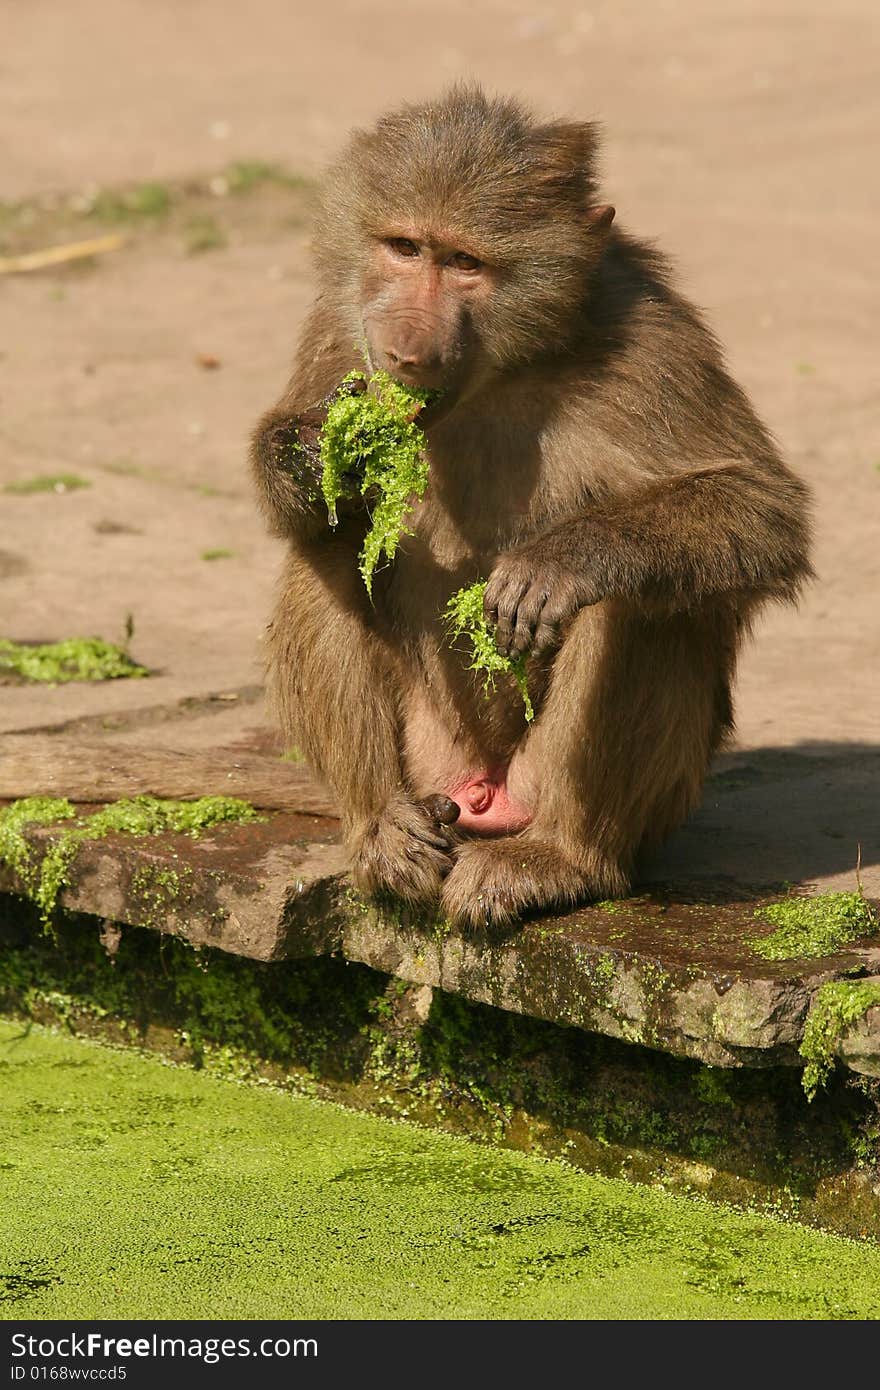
(129, 1188)
(374, 434)
(75, 659)
(43, 879)
(464, 617)
(835, 1007)
(817, 926)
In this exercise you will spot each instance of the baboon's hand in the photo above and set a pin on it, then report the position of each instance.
(407, 850)
(291, 444)
(306, 434)
(529, 596)
(296, 441)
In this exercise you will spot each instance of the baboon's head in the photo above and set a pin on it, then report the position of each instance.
(459, 236)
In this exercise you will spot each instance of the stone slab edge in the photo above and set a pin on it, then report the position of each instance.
(258, 891)
(275, 901)
(683, 1010)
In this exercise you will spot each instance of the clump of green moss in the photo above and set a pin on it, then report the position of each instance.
(31, 810)
(140, 815)
(816, 926)
(76, 659)
(465, 617)
(835, 1007)
(374, 435)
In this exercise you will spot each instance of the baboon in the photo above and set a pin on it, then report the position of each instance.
(589, 455)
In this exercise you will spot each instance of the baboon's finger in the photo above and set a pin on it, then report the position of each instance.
(440, 808)
(436, 838)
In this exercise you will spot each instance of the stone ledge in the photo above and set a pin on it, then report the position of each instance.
(270, 891)
(859, 1047)
(668, 970)
(633, 973)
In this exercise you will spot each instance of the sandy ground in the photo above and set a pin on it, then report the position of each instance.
(741, 136)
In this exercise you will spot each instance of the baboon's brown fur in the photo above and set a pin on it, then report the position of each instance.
(591, 454)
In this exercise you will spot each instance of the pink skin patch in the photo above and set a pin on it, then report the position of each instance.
(486, 807)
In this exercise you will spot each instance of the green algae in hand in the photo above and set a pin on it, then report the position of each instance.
(465, 617)
(835, 1007)
(140, 815)
(75, 659)
(374, 435)
(816, 926)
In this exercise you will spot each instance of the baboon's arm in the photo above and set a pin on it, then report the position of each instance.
(284, 446)
(732, 529)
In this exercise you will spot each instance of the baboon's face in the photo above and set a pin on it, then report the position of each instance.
(423, 297)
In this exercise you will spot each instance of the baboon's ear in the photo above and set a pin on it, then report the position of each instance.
(600, 219)
(566, 150)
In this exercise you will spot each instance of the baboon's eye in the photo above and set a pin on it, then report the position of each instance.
(462, 261)
(402, 247)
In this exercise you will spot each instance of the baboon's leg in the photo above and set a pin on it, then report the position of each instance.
(337, 690)
(616, 758)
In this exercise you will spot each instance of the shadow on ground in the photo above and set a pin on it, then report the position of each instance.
(774, 816)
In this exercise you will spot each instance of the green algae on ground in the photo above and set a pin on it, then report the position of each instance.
(133, 1189)
(203, 234)
(43, 878)
(465, 617)
(243, 175)
(75, 659)
(47, 482)
(374, 435)
(815, 926)
(835, 1007)
(144, 200)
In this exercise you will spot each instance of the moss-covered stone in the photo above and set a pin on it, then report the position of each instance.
(344, 1031)
(19, 817)
(162, 890)
(835, 1008)
(141, 815)
(814, 926)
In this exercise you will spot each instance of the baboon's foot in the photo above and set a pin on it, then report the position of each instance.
(495, 881)
(407, 850)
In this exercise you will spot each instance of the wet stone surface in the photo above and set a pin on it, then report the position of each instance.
(271, 890)
(680, 979)
(669, 969)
